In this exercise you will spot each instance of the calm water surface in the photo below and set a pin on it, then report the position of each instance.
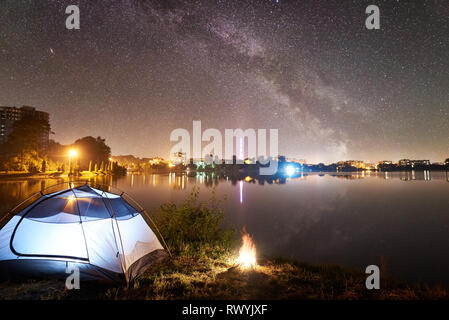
(397, 220)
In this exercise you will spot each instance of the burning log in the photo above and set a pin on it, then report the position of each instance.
(247, 253)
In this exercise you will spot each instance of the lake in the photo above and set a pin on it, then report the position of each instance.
(399, 221)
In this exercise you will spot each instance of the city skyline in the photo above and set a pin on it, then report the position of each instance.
(136, 71)
(10, 114)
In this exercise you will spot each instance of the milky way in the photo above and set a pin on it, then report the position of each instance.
(136, 70)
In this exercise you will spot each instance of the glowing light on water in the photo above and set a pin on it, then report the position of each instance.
(241, 191)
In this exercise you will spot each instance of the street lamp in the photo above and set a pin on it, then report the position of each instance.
(72, 153)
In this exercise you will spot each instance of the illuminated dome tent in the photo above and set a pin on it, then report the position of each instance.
(97, 231)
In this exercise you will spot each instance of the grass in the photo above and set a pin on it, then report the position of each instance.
(209, 273)
(202, 267)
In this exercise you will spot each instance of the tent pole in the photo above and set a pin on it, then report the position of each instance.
(81, 223)
(151, 220)
(121, 243)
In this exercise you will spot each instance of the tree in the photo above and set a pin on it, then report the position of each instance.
(92, 149)
(44, 165)
(116, 169)
(25, 140)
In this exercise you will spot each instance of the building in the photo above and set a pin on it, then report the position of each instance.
(404, 162)
(299, 161)
(179, 158)
(413, 163)
(352, 163)
(156, 160)
(9, 115)
(370, 166)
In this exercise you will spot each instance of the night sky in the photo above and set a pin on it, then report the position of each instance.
(136, 70)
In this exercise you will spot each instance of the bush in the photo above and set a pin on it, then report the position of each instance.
(193, 224)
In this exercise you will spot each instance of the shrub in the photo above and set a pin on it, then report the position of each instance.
(193, 224)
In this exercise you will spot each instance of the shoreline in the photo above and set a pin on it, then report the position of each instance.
(209, 274)
(88, 174)
(50, 175)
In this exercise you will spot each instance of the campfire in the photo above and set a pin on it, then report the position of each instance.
(247, 252)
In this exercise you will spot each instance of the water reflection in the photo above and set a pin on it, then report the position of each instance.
(353, 219)
(14, 190)
(415, 175)
(241, 191)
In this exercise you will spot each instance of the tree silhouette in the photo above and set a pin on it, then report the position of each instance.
(92, 149)
(26, 138)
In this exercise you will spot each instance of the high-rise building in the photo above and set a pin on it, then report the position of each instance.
(9, 115)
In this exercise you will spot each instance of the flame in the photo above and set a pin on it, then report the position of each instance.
(247, 252)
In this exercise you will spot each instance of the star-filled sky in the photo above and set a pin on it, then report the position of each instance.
(136, 70)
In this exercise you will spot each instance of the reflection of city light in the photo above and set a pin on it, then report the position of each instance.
(290, 170)
(241, 191)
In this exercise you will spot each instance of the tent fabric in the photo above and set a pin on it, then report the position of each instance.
(98, 231)
(23, 269)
